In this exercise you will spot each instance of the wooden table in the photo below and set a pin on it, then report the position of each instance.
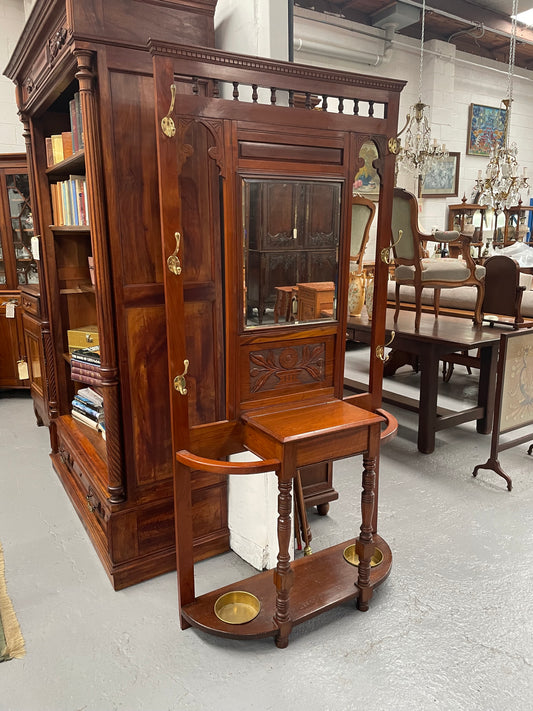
(436, 339)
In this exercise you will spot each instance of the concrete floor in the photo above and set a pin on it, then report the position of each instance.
(451, 629)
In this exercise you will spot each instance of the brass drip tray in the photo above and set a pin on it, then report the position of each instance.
(237, 607)
(351, 557)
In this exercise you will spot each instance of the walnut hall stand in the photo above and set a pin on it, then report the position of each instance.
(296, 437)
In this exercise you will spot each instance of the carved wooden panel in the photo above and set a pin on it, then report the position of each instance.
(268, 372)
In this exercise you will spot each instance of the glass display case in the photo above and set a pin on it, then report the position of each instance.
(18, 267)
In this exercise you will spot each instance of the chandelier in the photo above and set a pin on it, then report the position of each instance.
(417, 152)
(503, 182)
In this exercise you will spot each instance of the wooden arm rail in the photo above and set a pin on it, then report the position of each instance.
(392, 425)
(214, 466)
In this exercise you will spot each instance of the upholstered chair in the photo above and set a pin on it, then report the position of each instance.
(413, 266)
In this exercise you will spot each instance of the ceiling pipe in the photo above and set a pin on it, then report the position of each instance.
(341, 44)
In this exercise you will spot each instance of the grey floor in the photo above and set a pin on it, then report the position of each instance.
(452, 627)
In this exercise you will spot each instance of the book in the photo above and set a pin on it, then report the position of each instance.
(80, 411)
(82, 377)
(57, 147)
(87, 355)
(92, 369)
(65, 200)
(49, 152)
(90, 395)
(86, 420)
(95, 414)
(79, 122)
(55, 207)
(101, 428)
(73, 125)
(66, 137)
(73, 201)
(76, 181)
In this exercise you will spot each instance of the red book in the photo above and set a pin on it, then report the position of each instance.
(83, 377)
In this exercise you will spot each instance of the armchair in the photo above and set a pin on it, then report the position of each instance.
(413, 266)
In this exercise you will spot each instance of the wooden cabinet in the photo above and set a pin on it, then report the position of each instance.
(469, 219)
(512, 225)
(84, 68)
(32, 324)
(17, 267)
(272, 179)
(293, 236)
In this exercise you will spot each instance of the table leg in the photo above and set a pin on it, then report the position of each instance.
(364, 545)
(427, 408)
(283, 574)
(488, 357)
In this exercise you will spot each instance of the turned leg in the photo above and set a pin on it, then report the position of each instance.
(283, 574)
(364, 544)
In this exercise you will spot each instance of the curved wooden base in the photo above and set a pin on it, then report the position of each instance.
(321, 581)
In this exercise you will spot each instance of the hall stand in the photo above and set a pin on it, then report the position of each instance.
(230, 128)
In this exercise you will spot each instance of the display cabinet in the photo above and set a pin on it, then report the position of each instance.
(238, 176)
(83, 73)
(512, 226)
(469, 219)
(17, 267)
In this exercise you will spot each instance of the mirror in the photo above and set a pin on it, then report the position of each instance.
(291, 232)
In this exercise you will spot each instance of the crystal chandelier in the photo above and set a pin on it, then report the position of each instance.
(503, 182)
(417, 152)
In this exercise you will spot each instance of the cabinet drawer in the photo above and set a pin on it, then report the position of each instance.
(31, 304)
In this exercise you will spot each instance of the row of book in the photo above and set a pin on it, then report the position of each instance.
(88, 408)
(69, 201)
(85, 365)
(60, 146)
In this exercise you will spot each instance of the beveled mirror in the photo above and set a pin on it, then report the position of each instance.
(291, 233)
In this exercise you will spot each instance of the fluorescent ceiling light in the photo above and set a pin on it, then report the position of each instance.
(526, 17)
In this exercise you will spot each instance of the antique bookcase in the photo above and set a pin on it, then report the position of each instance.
(83, 68)
(248, 169)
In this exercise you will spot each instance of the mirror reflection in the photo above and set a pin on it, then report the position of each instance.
(291, 243)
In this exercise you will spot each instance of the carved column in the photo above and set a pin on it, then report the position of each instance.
(104, 303)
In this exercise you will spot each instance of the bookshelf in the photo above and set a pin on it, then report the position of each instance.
(120, 486)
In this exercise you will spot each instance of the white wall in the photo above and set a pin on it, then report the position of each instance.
(256, 27)
(11, 24)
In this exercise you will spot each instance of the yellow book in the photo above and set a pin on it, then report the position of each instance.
(57, 147)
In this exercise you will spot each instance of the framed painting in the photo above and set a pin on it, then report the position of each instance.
(366, 181)
(441, 179)
(486, 126)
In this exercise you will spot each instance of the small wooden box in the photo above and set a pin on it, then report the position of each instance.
(315, 300)
(82, 337)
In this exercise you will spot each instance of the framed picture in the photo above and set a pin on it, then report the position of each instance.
(442, 178)
(486, 126)
(366, 181)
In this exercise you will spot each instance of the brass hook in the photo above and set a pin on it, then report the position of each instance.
(385, 253)
(167, 124)
(173, 262)
(380, 350)
(179, 381)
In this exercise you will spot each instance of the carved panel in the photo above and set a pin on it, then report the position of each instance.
(281, 367)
